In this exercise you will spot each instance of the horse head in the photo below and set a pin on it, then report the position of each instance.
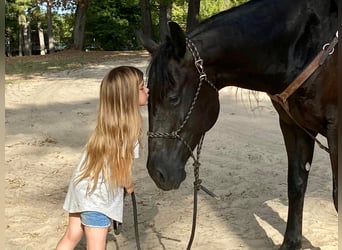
(181, 108)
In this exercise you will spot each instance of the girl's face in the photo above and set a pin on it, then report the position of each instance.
(143, 94)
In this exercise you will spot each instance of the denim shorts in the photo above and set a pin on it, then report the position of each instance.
(94, 219)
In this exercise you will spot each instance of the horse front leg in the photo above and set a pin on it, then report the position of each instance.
(299, 148)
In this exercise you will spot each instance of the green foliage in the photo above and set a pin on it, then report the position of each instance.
(18, 12)
(180, 13)
(34, 13)
(11, 18)
(63, 26)
(207, 9)
(111, 24)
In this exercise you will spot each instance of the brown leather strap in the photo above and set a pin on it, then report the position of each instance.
(327, 50)
(301, 78)
(285, 106)
(281, 98)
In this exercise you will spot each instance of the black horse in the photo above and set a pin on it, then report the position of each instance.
(262, 45)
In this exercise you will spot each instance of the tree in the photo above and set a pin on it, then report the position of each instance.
(165, 7)
(146, 19)
(111, 24)
(41, 38)
(30, 21)
(23, 8)
(193, 14)
(80, 21)
(49, 4)
(25, 30)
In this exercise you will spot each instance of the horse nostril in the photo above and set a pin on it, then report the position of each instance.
(160, 176)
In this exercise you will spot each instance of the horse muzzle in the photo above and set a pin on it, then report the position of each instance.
(165, 176)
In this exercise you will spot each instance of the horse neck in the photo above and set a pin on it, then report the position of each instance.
(264, 44)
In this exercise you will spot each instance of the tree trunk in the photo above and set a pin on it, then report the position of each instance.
(8, 45)
(28, 43)
(21, 21)
(80, 21)
(193, 15)
(24, 45)
(165, 8)
(50, 28)
(146, 18)
(26, 39)
(21, 39)
(41, 38)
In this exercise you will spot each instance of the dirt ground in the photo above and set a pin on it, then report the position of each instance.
(49, 118)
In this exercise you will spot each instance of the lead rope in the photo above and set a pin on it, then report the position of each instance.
(117, 226)
(135, 217)
(197, 186)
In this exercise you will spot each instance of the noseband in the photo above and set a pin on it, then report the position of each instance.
(176, 133)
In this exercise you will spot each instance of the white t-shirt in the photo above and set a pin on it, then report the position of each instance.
(100, 200)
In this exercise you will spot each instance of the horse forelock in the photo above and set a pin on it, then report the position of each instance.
(160, 79)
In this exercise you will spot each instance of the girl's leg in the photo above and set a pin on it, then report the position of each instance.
(96, 237)
(73, 233)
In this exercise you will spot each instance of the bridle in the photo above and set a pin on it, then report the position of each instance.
(202, 78)
(198, 61)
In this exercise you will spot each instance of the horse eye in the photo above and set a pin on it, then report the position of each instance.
(174, 100)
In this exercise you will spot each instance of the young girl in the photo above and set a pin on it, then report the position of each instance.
(96, 191)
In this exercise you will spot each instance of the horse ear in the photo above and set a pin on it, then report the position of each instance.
(178, 39)
(150, 45)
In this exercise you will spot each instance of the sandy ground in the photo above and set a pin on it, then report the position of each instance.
(48, 120)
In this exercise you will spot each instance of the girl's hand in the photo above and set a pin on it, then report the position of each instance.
(130, 189)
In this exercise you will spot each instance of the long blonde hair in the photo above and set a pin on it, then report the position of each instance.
(109, 150)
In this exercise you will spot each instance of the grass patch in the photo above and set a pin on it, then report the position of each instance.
(26, 66)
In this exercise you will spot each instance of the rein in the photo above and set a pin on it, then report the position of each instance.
(327, 50)
(117, 226)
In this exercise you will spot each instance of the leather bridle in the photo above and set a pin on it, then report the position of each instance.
(198, 61)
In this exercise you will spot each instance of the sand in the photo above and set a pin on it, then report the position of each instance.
(49, 118)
